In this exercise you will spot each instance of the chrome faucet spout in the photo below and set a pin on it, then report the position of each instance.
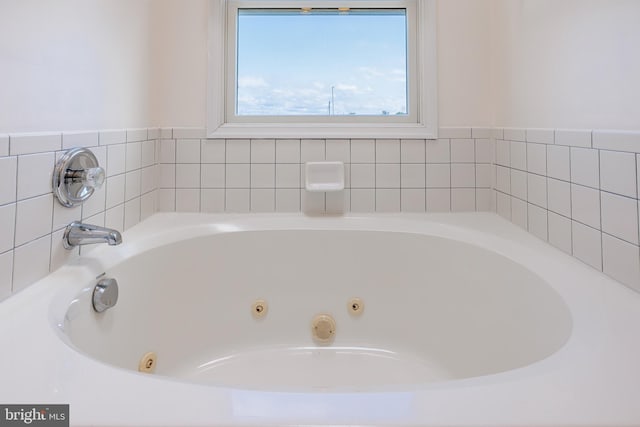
(77, 234)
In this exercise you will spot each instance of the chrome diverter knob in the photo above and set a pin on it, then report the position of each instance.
(76, 176)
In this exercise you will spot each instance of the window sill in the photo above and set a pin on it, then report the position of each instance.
(323, 131)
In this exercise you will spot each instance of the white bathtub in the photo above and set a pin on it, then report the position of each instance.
(466, 321)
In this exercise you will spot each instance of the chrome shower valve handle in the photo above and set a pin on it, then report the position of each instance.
(76, 176)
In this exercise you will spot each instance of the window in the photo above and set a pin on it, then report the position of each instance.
(322, 68)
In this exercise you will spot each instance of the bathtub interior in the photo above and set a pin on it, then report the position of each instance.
(435, 309)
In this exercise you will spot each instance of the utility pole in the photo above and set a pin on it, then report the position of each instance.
(333, 105)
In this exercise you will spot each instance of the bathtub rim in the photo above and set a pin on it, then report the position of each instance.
(244, 224)
(518, 243)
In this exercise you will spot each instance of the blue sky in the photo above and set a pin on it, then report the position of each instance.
(288, 63)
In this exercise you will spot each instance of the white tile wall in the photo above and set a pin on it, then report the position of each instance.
(6, 274)
(239, 151)
(621, 260)
(387, 200)
(387, 175)
(187, 200)
(573, 137)
(503, 153)
(238, 175)
(34, 174)
(537, 221)
(537, 158)
(363, 151)
(263, 199)
(388, 151)
(558, 162)
(585, 205)
(580, 199)
(463, 175)
(463, 150)
(7, 231)
(585, 202)
(263, 151)
(237, 200)
(31, 143)
(511, 134)
(456, 132)
(484, 151)
(4, 145)
(32, 219)
(212, 150)
(31, 262)
(413, 175)
(519, 212)
(584, 162)
(133, 156)
(620, 216)
(559, 197)
(287, 200)
(188, 175)
(338, 150)
(587, 244)
(114, 136)
(212, 175)
(287, 151)
(519, 184)
(503, 205)
(616, 140)
(116, 159)
(544, 136)
(618, 172)
(438, 151)
(503, 179)
(412, 200)
(263, 175)
(8, 173)
(463, 199)
(438, 175)
(212, 200)
(134, 135)
(518, 155)
(537, 190)
(438, 200)
(312, 150)
(188, 151)
(413, 151)
(363, 176)
(559, 232)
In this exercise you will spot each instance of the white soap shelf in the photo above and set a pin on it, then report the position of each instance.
(324, 176)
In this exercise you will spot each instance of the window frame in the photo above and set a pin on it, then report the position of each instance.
(422, 79)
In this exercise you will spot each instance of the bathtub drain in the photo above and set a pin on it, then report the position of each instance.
(323, 328)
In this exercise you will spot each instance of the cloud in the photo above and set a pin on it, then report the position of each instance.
(370, 72)
(351, 95)
(251, 82)
(346, 87)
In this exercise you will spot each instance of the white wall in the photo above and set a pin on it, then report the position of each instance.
(464, 67)
(74, 64)
(179, 46)
(567, 63)
(77, 64)
(180, 40)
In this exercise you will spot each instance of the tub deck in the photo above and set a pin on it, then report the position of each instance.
(593, 380)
